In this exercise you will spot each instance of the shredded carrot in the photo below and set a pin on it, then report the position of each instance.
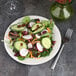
(34, 40)
(33, 56)
(38, 41)
(29, 41)
(49, 30)
(21, 39)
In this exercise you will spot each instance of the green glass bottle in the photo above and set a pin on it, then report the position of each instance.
(61, 9)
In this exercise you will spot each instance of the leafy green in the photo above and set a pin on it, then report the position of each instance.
(46, 53)
(51, 25)
(28, 55)
(26, 19)
(20, 34)
(35, 53)
(14, 50)
(21, 58)
(46, 34)
(11, 46)
(46, 23)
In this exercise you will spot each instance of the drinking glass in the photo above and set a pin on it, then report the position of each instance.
(61, 9)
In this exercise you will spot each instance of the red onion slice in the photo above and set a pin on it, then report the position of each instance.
(28, 37)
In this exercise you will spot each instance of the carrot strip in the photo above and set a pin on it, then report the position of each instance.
(49, 30)
(33, 56)
(34, 40)
(20, 39)
(37, 41)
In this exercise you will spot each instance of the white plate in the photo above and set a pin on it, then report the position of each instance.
(29, 61)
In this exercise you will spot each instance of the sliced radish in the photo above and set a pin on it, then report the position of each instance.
(30, 45)
(28, 37)
(44, 31)
(23, 52)
(37, 36)
(31, 24)
(25, 33)
(39, 47)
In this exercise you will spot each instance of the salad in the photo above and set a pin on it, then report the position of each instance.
(31, 38)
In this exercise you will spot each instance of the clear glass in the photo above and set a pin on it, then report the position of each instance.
(61, 11)
(12, 7)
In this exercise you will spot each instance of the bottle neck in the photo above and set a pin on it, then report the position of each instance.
(64, 1)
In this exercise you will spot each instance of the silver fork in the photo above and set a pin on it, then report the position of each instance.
(65, 40)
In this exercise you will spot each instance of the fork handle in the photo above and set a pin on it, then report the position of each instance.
(57, 58)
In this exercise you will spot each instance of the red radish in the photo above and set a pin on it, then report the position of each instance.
(24, 32)
(29, 41)
(30, 45)
(23, 52)
(39, 47)
(43, 32)
(28, 37)
(37, 36)
(31, 24)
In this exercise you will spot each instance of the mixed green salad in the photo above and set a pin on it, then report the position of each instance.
(31, 38)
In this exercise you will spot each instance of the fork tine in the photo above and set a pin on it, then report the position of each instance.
(69, 33)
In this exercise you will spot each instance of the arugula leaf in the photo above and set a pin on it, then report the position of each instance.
(21, 58)
(26, 19)
(46, 53)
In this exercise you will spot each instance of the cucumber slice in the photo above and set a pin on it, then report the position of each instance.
(18, 45)
(46, 42)
(28, 37)
(16, 28)
(35, 26)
